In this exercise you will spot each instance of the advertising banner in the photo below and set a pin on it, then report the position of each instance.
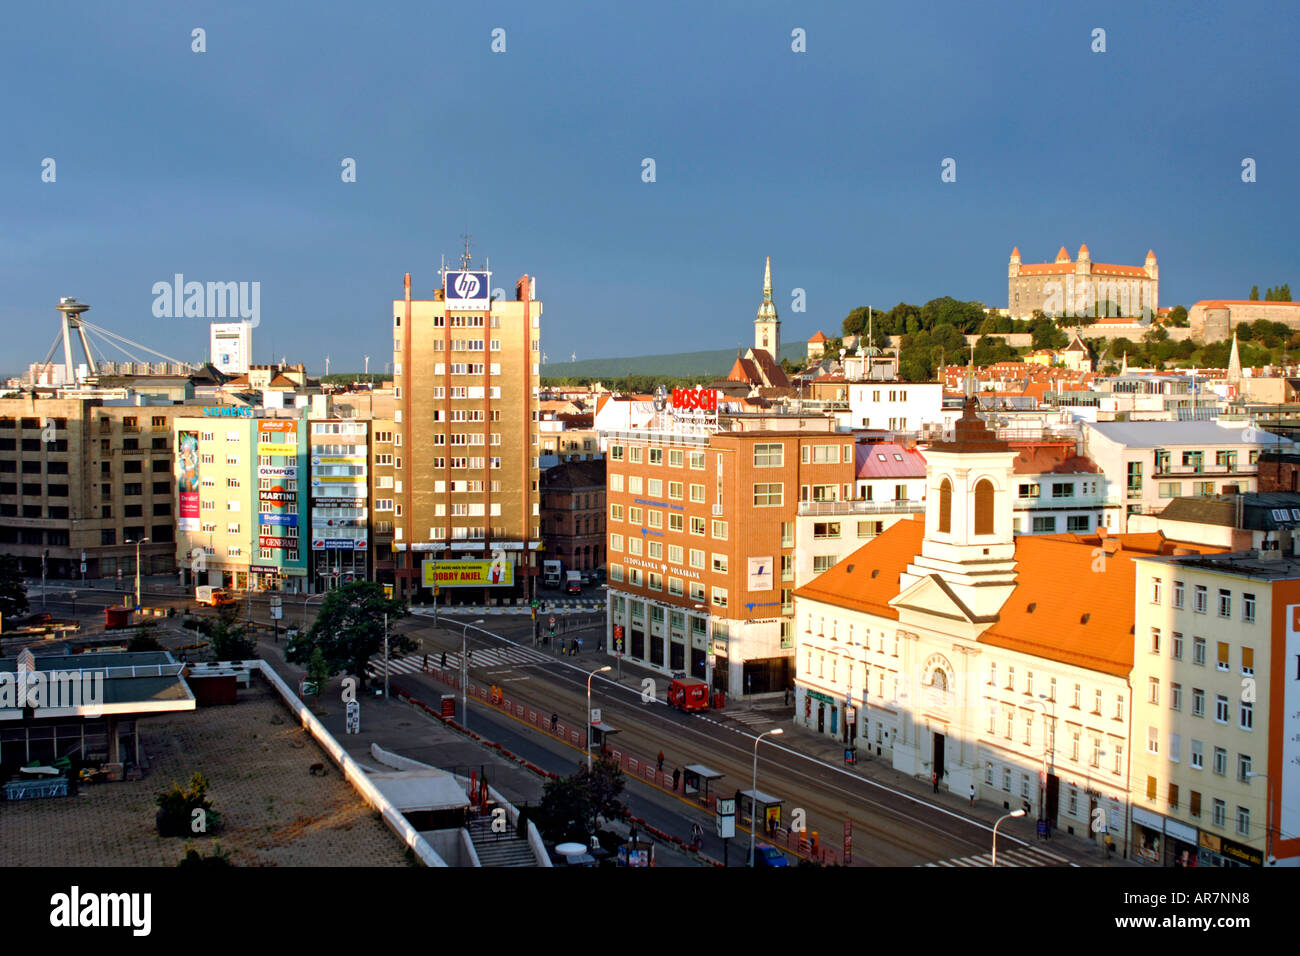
(268, 425)
(283, 521)
(187, 480)
(277, 471)
(338, 460)
(469, 574)
(467, 290)
(338, 544)
(264, 541)
(338, 502)
(760, 574)
(277, 496)
(282, 449)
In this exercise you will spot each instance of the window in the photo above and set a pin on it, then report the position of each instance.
(1134, 479)
(675, 457)
(1247, 716)
(1175, 748)
(823, 563)
(1171, 489)
(616, 542)
(635, 515)
(1248, 608)
(1078, 690)
(1155, 590)
(1044, 524)
(1153, 690)
(1173, 796)
(1243, 821)
(1175, 696)
(1051, 689)
(719, 530)
(1201, 599)
(1223, 655)
(697, 494)
(1198, 651)
(1177, 648)
(1248, 661)
(1078, 523)
(1011, 678)
(769, 456)
(1196, 755)
(826, 529)
(1243, 767)
(1155, 640)
(1151, 788)
(697, 558)
(720, 597)
(1225, 603)
(697, 460)
(720, 563)
(1220, 813)
(675, 490)
(656, 456)
(1063, 490)
(769, 495)
(1029, 491)
(634, 485)
(655, 487)
(1096, 701)
(1194, 803)
(993, 674)
(635, 454)
(1153, 740)
(676, 522)
(1198, 702)
(1178, 594)
(1220, 761)
(1221, 711)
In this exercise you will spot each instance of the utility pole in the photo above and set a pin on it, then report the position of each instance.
(385, 656)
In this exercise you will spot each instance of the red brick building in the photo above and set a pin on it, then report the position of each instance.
(573, 514)
(702, 547)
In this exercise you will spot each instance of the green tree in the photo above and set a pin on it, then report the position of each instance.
(318, 672)
(145, 638)
(1254, 293)
(227, 639)
(1178, 317)
(565, 813)
(1047, 334)
(176, 816)
(349, 629)
(989, 350)
(13, 592)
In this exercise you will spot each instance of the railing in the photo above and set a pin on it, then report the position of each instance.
(897, 506)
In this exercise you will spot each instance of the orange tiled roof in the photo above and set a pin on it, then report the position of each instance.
(1220, 303)
(817, 337)
(1069, 604)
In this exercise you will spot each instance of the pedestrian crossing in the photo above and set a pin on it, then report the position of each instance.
(1015, 856)
(477, 610)
(478, 658)
(751, 718)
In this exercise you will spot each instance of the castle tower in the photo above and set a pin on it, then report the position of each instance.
(1013, 268)
(969, 543)
(767, 327)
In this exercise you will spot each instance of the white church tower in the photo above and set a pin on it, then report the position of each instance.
(767, 327)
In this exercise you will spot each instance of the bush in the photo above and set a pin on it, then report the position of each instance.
(176, 808)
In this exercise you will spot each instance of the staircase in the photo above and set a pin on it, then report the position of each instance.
(498, 849)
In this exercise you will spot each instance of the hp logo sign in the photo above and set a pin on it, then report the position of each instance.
(467, 286)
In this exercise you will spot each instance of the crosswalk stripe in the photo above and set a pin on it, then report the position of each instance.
(1018, 856)
(482, 657)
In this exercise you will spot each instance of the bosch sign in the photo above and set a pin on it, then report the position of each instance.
(705, 399)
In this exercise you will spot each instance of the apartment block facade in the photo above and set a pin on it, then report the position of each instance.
(465, 431)
(702, 549)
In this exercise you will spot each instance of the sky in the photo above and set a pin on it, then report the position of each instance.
(227, 165)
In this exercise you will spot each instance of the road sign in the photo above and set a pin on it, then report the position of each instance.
(595, 716)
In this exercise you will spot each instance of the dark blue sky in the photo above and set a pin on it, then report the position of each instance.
(225, 165)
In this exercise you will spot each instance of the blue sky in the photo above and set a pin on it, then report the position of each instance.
(225, 165)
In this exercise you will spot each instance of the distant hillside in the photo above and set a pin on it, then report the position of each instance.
(712, 364)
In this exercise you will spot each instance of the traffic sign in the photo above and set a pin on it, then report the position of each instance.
(595, 716)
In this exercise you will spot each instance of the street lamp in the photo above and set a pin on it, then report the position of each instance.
(137, 544)
(753, 793)
(1008, 816)
(598, 670)
(1268, 814)
(464, 672)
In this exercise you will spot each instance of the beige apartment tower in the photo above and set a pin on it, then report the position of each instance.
(466, 434)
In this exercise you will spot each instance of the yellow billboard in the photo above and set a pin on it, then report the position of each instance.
(469, 574)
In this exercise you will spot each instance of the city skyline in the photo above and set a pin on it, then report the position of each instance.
(229, 165)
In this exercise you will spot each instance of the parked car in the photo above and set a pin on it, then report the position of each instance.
(33, 620)
(765, 855)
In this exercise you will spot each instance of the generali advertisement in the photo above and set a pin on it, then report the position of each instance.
(187, 480)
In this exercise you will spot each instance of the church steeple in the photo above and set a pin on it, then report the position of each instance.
(767, 326)
(1234, 362)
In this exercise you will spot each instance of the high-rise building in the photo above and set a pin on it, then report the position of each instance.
(465, 437)
(232, 347)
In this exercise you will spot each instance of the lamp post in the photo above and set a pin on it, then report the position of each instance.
(753, 793)
(1268, 814)
(464, 672)
(598, 670)
(137, 544)
(1006, 816)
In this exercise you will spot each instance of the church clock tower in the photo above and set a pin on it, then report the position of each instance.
(767, 327)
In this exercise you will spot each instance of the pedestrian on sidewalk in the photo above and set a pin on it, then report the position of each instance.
(661, 761)
(444, 660)
(426, 662)
(934, 779)
(972, 794)
(677, 775)
(555, 719)
(787, 697)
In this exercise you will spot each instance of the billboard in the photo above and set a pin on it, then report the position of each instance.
(468, 290)
(282, 521)
(267, 425)
(469, 574)
(760, 574)
(187, 480)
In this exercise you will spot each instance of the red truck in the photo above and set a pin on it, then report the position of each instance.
(689, 693)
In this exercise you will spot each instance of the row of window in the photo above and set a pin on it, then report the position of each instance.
(654, 518)
(1223, 650)
(1201, 599)
(676, 456)
(1218, 812)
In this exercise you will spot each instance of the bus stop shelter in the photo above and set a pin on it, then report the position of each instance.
(600, 734)
(767, 806)
(696, 779)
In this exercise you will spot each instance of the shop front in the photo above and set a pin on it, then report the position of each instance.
(1219, 851)
(1163, 841)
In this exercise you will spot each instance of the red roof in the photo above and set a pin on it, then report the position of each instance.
(817, 337)
(888, 460)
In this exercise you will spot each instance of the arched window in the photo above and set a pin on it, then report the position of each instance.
(984, 507)
(945, 506)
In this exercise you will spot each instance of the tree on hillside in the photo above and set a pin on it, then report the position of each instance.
(1047, 334)
(13, 592)
(1254, 293)
(350, 629)
(1178, 317)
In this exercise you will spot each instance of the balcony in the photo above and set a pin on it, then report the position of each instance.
(898, 506)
